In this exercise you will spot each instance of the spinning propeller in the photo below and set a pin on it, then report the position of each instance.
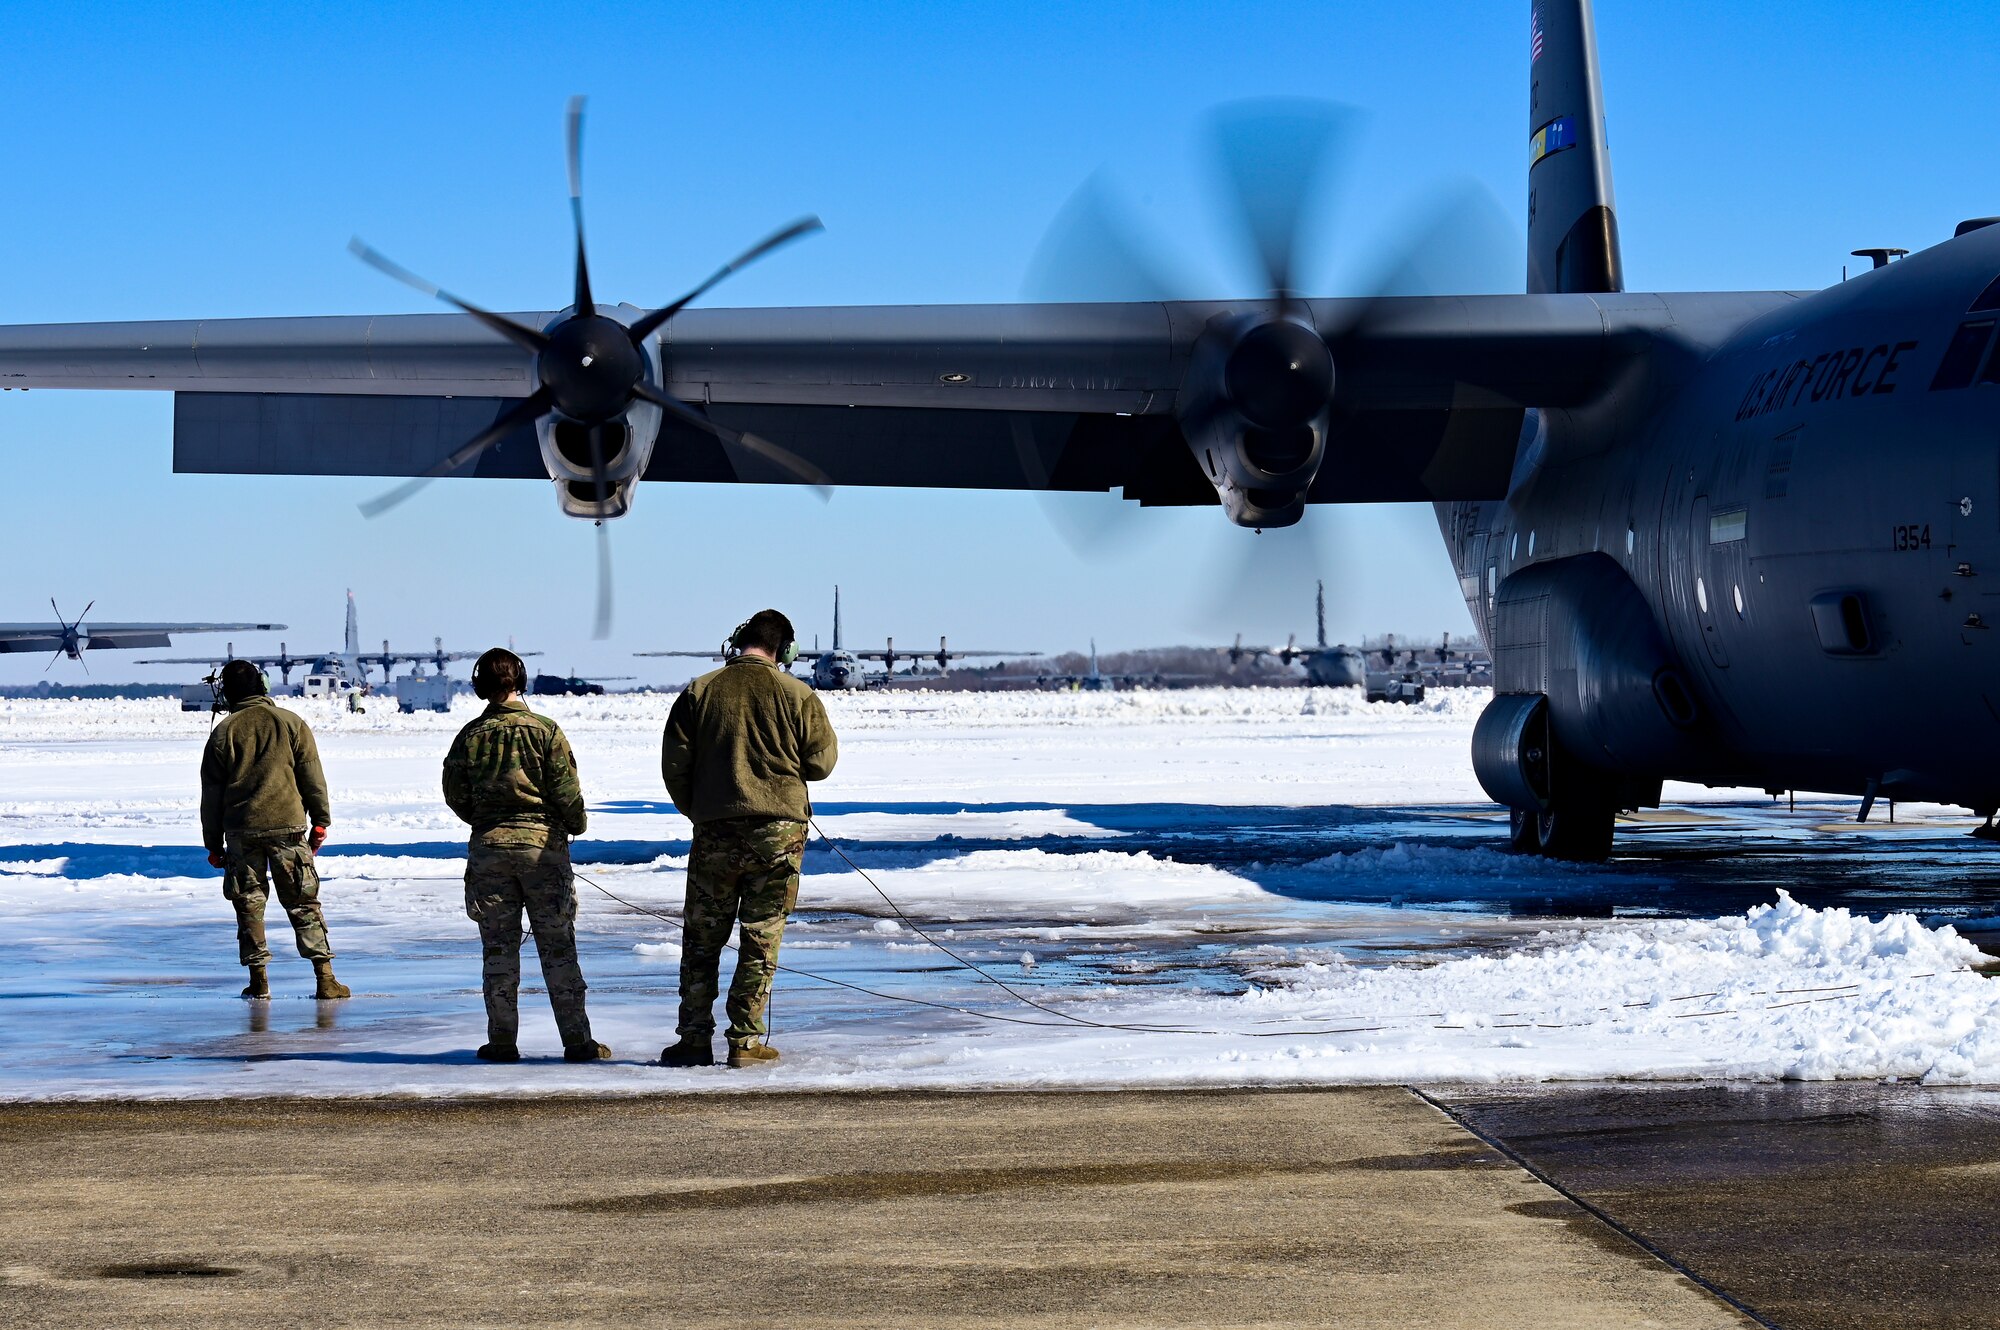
(72, 638)
(1260, 380)
(590, 370)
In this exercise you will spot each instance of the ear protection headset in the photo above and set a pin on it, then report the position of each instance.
(786, 655)
(481, 672)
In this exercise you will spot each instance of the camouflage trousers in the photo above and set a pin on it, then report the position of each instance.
(510, 870)
(741, 870)
(252, 864)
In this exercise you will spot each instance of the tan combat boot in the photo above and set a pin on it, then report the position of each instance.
(329, 987)
(259, 985)
(752, 1055)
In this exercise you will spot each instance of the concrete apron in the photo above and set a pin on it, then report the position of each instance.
(1351, 1207)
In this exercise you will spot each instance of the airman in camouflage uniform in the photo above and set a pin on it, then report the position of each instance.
(264, 815)
(740, 745)
(510, 775)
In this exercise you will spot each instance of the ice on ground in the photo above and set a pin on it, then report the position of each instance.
(1162, 864)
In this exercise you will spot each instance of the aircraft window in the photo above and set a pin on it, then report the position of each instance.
(1531, 544)
(1988, 299)
(1728, 526)
(1739, 601)
(1513, 545)
(1701, 595)
(1492, 578)
(1961, 358)
(1629, 538)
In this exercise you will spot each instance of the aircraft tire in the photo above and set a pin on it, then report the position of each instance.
(1578, 830)
(1524, 832)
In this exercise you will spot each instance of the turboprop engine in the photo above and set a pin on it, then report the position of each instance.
(598, 404)
(1255, 411)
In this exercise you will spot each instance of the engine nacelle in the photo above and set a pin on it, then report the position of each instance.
(1254, 410)
(627, 442)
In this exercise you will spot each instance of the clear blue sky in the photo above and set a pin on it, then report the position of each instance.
(181, 160)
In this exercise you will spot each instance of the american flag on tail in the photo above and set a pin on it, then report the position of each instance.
(1534, 33)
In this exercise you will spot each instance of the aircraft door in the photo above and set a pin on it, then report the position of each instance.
(1712, 577)
(1972, 552)
(1681, 557)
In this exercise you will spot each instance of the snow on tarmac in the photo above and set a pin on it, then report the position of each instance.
(1214, 887)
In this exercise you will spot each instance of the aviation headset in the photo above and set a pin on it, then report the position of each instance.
(786, 654)
(239, 680)
(483, 671)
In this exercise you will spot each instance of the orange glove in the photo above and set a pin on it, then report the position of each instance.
(316, 839)
(217, 861)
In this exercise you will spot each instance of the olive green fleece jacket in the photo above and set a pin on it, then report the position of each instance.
(513, 768)
(742, 741)
(260, 772)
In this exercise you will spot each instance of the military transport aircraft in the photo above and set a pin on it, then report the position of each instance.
(1336, 666)
(1734, 538)
(839, 669)
(73, 637)
(331, 672)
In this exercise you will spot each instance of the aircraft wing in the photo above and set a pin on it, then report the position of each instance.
(19, 637)
(299, 660)
(1428, 398)
(394, 658)
(921, 654)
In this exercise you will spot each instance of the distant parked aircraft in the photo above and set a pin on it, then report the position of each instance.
(333, 672)
(838, 669)
(73, 637)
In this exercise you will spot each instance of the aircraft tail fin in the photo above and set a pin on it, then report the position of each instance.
(353, 628)
(1319, 612)
(836, 617)
(1572, 222)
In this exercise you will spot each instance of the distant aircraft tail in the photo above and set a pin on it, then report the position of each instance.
(1572, 223)
(354, 629)
(836, 617)
(1319, 609)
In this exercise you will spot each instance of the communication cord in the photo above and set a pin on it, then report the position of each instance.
(1068, 1020)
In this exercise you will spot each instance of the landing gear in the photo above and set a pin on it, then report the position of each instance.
(1524, 832)
(1986, 830)
(1577, 829)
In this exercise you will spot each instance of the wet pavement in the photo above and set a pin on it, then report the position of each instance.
(1814, 1207)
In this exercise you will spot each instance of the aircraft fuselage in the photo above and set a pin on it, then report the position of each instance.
(1806, 502)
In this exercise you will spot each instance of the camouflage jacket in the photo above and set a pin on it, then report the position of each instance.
(743, 740)
(513, 768)
(260, 772)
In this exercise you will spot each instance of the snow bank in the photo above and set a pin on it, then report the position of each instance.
(1783, 991)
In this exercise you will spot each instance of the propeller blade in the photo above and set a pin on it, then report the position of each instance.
(1457, 240)
(651, 323)
(574, 143)
(528, 339)
(525, 412)
(820, 482)
(86, 613)
(602, 627)
(1273, 155)
(53, 659)
(1093, 250)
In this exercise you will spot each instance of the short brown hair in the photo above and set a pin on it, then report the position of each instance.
(497, 673)
(766, 629)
